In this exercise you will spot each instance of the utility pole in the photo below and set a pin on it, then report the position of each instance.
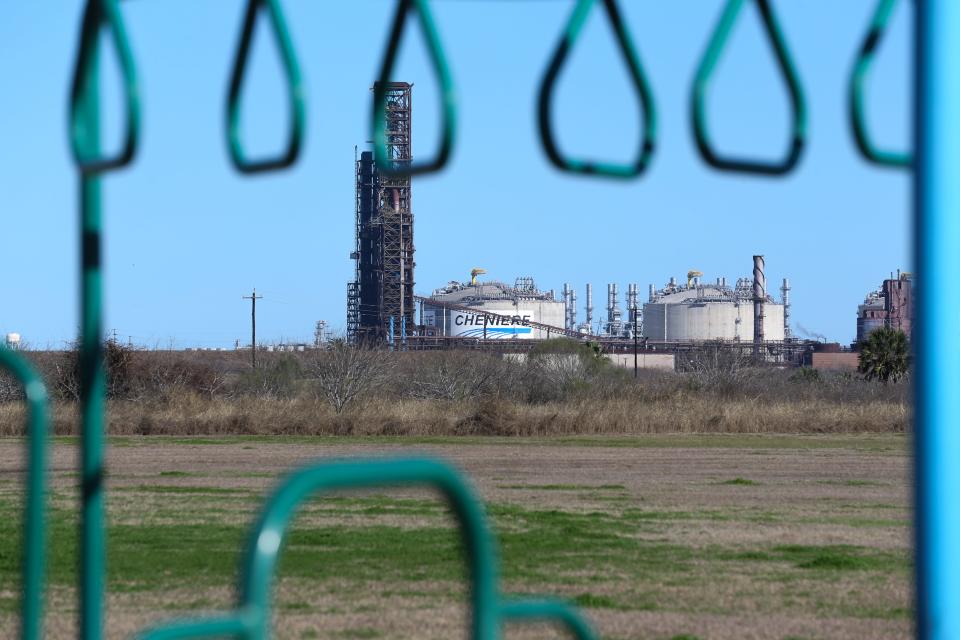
(636, 339)
(253, 297)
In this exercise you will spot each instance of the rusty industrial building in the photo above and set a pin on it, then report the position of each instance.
(380, 302)
(891, 305)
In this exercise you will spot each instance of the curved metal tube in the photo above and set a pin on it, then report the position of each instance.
(444, 77)
(790, 77)
(34, 516)
(84, 138)
(856, 92)
(251, 619)
(556, 611)
(639, 83)
(295, 91)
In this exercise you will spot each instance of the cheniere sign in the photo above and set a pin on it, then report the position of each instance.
(505, 325)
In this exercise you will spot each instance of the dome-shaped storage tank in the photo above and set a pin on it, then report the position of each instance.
(713, 312)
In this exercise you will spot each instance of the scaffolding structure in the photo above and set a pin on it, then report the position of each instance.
(380, 299)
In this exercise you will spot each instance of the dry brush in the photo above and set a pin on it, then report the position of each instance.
(563, 389)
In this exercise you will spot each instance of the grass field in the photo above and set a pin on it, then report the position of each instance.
(674, 536)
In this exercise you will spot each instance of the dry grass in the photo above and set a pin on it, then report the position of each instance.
(191, 414)
(459, 393)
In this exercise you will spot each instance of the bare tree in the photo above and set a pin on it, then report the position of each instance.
(345, 372)
(10, 388)
(718, 366)
(556, 370)
(457, 376)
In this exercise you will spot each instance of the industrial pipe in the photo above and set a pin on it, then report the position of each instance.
(590, 306)
(785, 290)
(759, 296)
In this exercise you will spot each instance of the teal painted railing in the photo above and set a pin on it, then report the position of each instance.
(791, 78)
(938, 404)
(490, 611)
(638, 82)
(438, 60)
(291, 70)
(857, 98)
(34, 540)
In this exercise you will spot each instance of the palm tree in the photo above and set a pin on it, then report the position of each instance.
(885, 355)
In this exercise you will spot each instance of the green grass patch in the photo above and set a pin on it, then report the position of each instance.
(740, 482)
(566, 551)
(564, 487)
(825, 558)
(841, 558)
(187, 489)
(851, 483)
(594, 601)
(9, 604)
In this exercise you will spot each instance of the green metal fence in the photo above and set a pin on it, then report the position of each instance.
(251, 618)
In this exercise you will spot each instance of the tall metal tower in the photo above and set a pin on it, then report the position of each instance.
(381, 295)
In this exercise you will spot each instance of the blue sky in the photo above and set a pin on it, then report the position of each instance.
(187, 236)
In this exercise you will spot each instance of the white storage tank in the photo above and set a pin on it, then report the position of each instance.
(710, 312)
(515, 308)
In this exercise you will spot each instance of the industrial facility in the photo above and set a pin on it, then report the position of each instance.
(691, 312)
(493, 310)
(380, 303)
(678, 313)
(717, 311)
(891, 305)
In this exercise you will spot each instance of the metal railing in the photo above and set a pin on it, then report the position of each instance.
(936, 163)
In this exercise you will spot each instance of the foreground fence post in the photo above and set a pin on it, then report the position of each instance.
(34, 531)
(937, 337)
(100, 17)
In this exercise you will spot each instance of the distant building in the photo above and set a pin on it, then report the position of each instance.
(700, 312)
(889, 306)
(709, 312)
(492, 310)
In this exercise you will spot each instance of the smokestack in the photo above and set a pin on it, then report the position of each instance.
(785, 291)
(631, 303)
(653, 293)
(566, 305)
(673, 282)
(759, 295)
(573, 309)
(614, 324)
(590, 306)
